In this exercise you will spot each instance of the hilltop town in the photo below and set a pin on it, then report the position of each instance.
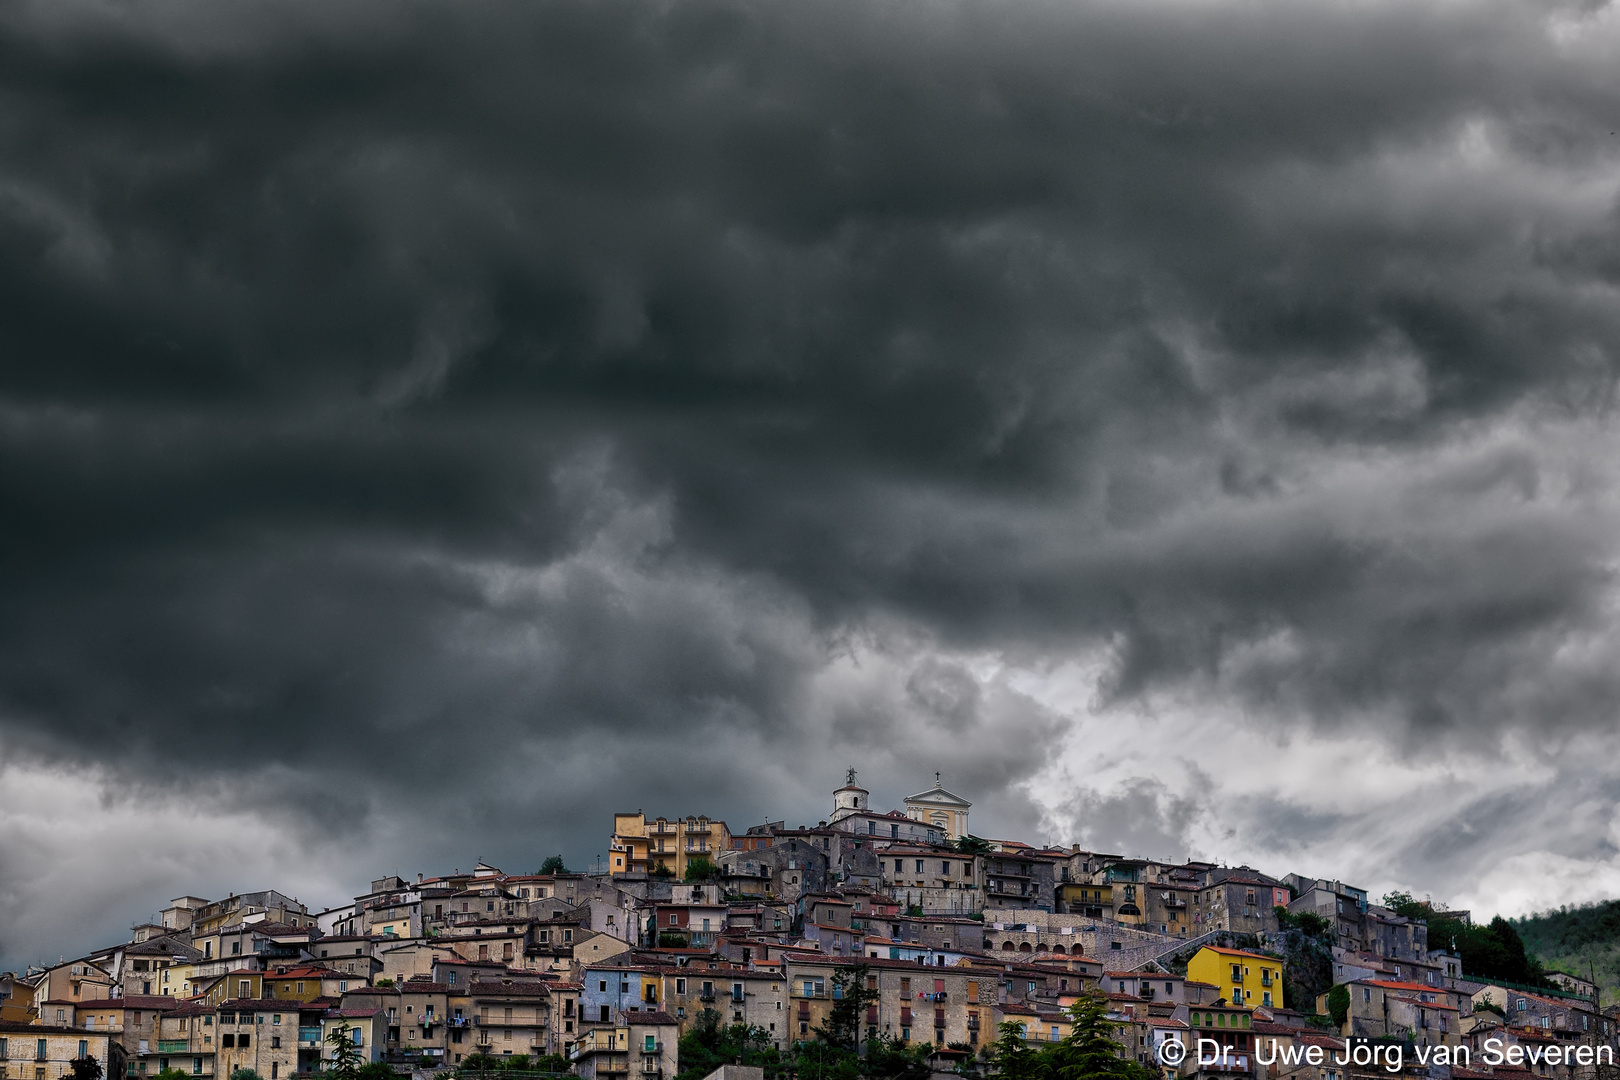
(901, 925)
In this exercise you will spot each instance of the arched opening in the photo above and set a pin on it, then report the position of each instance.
(1023, 946)
(1006, 946)
(1041, 947)
(1058, 950)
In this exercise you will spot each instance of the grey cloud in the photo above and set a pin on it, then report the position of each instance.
(687, 400)
(1138, 816)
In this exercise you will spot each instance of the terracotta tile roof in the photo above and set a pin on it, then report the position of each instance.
(654, 1018)
(1239, 952)
(504, 988)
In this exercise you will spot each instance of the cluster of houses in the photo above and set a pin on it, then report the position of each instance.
(687, 922)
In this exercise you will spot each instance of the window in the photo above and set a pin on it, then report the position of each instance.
(650, 1045)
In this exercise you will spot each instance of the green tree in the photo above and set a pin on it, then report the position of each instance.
(1011, 1056)
(1403, 903)
(700, 868)
(706, 1046)
(345, 1055)
(1090, 1051)
(173, 1074)
(895, 1060)
(1338, 1003)
(971, 845)
(662, 872)
(851, 996)
(243, 1073)
(85, 1068)
(553, 865)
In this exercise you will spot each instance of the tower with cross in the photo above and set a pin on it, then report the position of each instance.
(849, 799)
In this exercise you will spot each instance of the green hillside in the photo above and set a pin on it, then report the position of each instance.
(1580, 940)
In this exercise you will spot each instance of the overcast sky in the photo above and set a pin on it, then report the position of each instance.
(427, 428)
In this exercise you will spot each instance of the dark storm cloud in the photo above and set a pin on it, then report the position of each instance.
(1140, 816)
(551, 405)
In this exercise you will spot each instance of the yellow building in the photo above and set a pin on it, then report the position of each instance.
(639, 846)
(1086, 898)
(1246, 979)
(47, 1051)
(303, 983)
(941, 809)
(16, 999)
(232, 986)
